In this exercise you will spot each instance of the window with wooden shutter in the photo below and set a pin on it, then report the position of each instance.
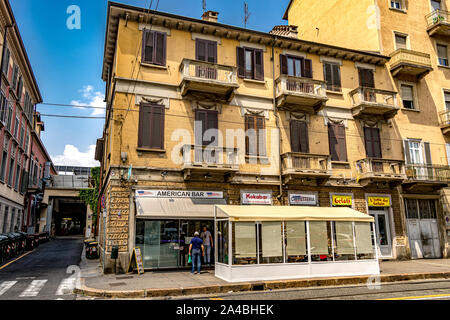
(307, 68)
(407, 94)
(400, 41)
(5, 62)
(442, 54)
(299, 136)
(255, 140)
(373, 143)
(332, 76)
(366, 78)
(337, 142)
(250, 63)
(151, 126)
(206, 51)
(154, 47)
(206, 120)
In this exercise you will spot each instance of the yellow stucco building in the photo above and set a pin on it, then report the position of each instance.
(200, 113)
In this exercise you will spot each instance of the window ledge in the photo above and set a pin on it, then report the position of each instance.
(260, 159)
(254, 81)
(335, 92)
(341, 162)
(151, 65)
(150, 150)
(442, 66)
(413, 110)
(398, 10)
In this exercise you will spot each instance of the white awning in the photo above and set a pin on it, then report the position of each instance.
(177, 208)
(291, 213)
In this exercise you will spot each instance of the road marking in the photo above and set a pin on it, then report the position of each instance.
(215, 299)
(2, 267)
(66, 286)
(33, 289)
(6, 285)
(437, 296)
(25, 278)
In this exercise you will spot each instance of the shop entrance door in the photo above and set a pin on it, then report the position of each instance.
(422, 227)
(187, 230)
(382, 228)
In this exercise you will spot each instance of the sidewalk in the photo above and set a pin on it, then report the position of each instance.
(178, 283)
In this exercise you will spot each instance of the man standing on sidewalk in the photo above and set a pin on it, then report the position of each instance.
(196, 248)
(208, 244)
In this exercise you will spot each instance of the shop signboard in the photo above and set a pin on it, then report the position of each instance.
(180, 194)
(341, 200)
(379, 201)
(303, 199)
(256, 198)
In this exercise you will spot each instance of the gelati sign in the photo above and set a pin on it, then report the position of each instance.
(256, 198)
(179, 194)
(379, 201)
(341, 200)
(302, 199)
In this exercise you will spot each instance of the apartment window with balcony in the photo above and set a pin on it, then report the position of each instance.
(408, 96)
(19, 89)
(14, 76)
(255, 139)
(154, 47)
(372, 142)
(447, 100)
(299, 136)
(401, 41)
(337, 142)
(295, 66)
(151, 126)
(11, 168)
(442, 55)
(250, 63)
(4, 163)
(3, 107)
(16, 184)
(16, 127)
(417, 152)
(332, 76)
(206, 126)
(22, 134)
(6, 62)
(206, 50)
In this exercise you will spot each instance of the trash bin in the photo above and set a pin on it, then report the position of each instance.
(87, 241)
(20, 240)
(92, 250)
(36, 240)
(3, 246)
(12, 245)
(29, 242)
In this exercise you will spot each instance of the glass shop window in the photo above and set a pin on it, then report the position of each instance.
(364, 241)
(320, 240)
(244, 243)
(222, 241)
(271, 242)
(296, 242)
(343, 241)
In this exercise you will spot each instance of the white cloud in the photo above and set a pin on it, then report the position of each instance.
(91, 98)
(74, 157)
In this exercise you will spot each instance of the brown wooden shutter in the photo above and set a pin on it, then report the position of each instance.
(337, 141)
(342, 142)
(212, 123)
(200, 126)
(240, 61)
(304, 141)
(212, 51)
(427, 153)
(336, 76)
(368, 142)
(261, 136)
(259, 64)
(307, 68)
(295, 136)
(406, 151)
(366, 78)
(143, 131)
(160, 48)
(200, 50)
(147, 46)
(333, 142)
(249, 124)
(373, 142)
(157, 127)
(283, 64)
(327, 75)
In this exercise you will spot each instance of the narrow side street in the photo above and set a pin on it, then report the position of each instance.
(42, 274)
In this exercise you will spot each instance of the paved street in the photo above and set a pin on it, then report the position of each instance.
(411, 290)
(42, 274)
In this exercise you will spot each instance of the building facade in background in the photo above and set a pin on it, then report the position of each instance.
(200, 113)
(23, 156)
(416, 36)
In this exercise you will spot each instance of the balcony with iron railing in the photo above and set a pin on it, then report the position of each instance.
(300, 94)
(207, 159)
(373, 103)
(444, 121)
(205, 80)
(372, 170)
(406, 62)
(428, 173)
(296, 165)
(438, 23)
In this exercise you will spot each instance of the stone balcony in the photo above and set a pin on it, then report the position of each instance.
(300, 94)
(373, 170)
(438, 23)
(406, 62)
(373, 103)
(444, 122)
(305, 166)
(207, 81)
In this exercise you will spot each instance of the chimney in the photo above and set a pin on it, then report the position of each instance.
(211, 16)
(285, 31)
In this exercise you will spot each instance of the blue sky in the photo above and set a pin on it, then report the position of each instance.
(67, 63)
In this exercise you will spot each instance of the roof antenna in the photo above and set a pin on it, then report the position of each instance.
(204, 5)
(246, 15)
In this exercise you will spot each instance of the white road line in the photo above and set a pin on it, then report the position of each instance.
(33, 289)
(6, 285)
(66, 286)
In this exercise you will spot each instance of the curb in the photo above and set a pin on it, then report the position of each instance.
(257, 286)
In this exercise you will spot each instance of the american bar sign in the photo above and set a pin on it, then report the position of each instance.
(179, 194)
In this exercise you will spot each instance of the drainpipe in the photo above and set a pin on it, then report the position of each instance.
(277, 119)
